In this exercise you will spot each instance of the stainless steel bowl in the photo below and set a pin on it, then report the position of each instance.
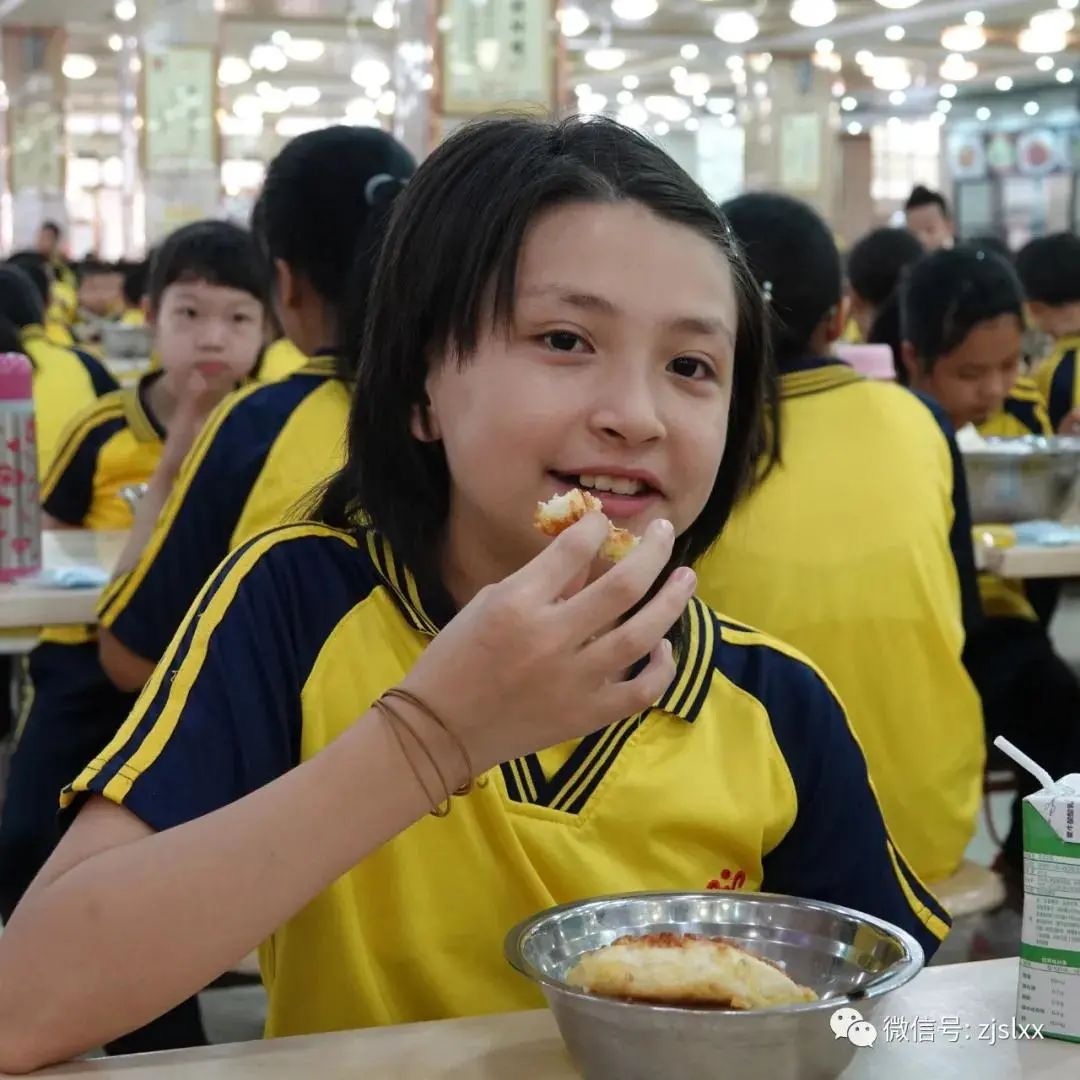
(1021, 479)
(854, 959)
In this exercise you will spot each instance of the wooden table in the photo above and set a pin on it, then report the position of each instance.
(527, 1045)
(1030, 560)
(30, 603)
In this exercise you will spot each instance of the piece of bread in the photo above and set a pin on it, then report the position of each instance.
(561, 511)
(688, 970)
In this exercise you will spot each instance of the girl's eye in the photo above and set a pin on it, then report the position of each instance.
(563, 341)
(690, 367)
(240, 317)
(188, 312)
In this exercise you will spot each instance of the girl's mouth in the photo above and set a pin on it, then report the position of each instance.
(623, 496)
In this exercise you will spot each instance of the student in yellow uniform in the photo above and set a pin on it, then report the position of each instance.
(856, 546)
(208, 302)
(1049, 269)
(280, 360)
(517, 345)
(57, 328)
(66, 381)
(962, 314)
(323, 208)
(135, 281)
(874, 268)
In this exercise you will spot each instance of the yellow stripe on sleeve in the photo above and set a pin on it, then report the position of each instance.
(938, 927)
(75, 434)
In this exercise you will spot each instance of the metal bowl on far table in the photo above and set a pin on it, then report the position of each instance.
(1024, 479)
(851, 960)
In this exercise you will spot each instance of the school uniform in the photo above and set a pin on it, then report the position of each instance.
(75, 709)
(1057, 381)
(1023, 413)
(262, 453)
(856, 548)
(66, 381)
(280, 359)
(744, 775)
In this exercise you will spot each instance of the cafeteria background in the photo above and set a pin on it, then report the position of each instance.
(954, 124)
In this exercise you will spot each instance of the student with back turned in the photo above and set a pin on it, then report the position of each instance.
(319, 220)
(963, 320)
(856, 547)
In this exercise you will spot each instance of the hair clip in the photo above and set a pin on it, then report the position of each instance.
(766, 291)
(378, 181)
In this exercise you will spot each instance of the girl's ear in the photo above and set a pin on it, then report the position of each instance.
(424, 421)
(910, 362)
(285, 284)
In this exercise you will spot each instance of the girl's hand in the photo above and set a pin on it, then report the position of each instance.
(197, 400)
(1070, 424)
(537, 659)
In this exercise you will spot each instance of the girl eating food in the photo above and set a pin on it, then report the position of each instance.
(555, 307)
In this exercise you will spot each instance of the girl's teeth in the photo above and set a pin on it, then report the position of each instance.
(617, 485)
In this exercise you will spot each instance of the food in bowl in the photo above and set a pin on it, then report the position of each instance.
(561, 511)
(687, 970)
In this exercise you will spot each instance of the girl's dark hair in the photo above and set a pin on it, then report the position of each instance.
(947, 294)
(216, 252)
(20, 302)
(36, 268)
(136, 276)
(323, 210)
(921, 195)
(447, 273)
(875, 267)
(1049, 268)
(794, 258)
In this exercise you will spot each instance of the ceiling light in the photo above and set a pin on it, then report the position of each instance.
(135, 65)
(1045, 63)
(582, 89)
(573, 21)
(849, 104)
(633, 116)
(624, 97)
(634, 10)
(370, 72)
(944, 106)
(948, 90)
(838, 88)
(268, 58)
(230, 124)
(937, 118)
(761, 89)
(668, 107)
(280, 38)
(692, 124)
(812, 12)
(824, 46)
(1068, 5)
(591, 104)
(1064, 75)
(894, 33)
(761, 62)
(864, 57)
(974, 18)
(116, 42)
(678, 72)
(897, 5)
(79, 66)
(630, 82)
(1031, 107)
(1032, 40)
(734, 63)
(303, 97)
(248, 106)
(605, 59)
(233, 70)
(360, 110)
(699, 100)
(387, 103)
(274, 100)
(125, 10)
(304, 50)
(1003, 83)
(383, 15)
(854, 128)
(692, 85)
(957, 69)
(1057, 20)
(889, 72)
(689, 52)
(736, 27)
(893, 121)
(982, 113)
(963, 38)
(661, 128)
(289, 127)
(720, 105)
(897, 97)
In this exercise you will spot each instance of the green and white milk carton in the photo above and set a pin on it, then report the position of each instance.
(1049, 991)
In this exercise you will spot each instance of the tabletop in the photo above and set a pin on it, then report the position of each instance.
(528, 1045)
(31, 603)
(1030, 560)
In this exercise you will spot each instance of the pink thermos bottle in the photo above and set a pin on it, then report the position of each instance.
(20, 509)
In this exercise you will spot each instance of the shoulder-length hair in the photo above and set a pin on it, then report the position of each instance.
(449, 262)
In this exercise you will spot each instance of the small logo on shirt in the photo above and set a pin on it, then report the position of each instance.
(728, 880)
(847, 1023)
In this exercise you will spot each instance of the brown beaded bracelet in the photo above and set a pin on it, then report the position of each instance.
(440, 807)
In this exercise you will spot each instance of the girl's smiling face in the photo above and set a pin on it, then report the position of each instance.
(615, 375)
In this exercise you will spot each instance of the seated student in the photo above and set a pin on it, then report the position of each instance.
(322, 208)
(874, 267)
(856, 546)
(65, 380)
(928, 219)
(281, 359)
(515, 341)
(1049, 268)
(40, 272)
(962, 314)
(100, 289)
(208, 301)
(134, 292)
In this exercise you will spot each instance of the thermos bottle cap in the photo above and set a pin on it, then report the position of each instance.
(16, 377)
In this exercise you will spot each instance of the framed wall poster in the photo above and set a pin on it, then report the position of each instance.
(800, 151)
(179, 95)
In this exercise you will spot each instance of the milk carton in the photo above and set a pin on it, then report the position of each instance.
(1049, 991)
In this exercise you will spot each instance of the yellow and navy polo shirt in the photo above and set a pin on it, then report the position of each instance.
(66, 381)
(280, 359)
(1024, 413)
(856, 548)
(744, 775)
(262, 451)
(1056, 379)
